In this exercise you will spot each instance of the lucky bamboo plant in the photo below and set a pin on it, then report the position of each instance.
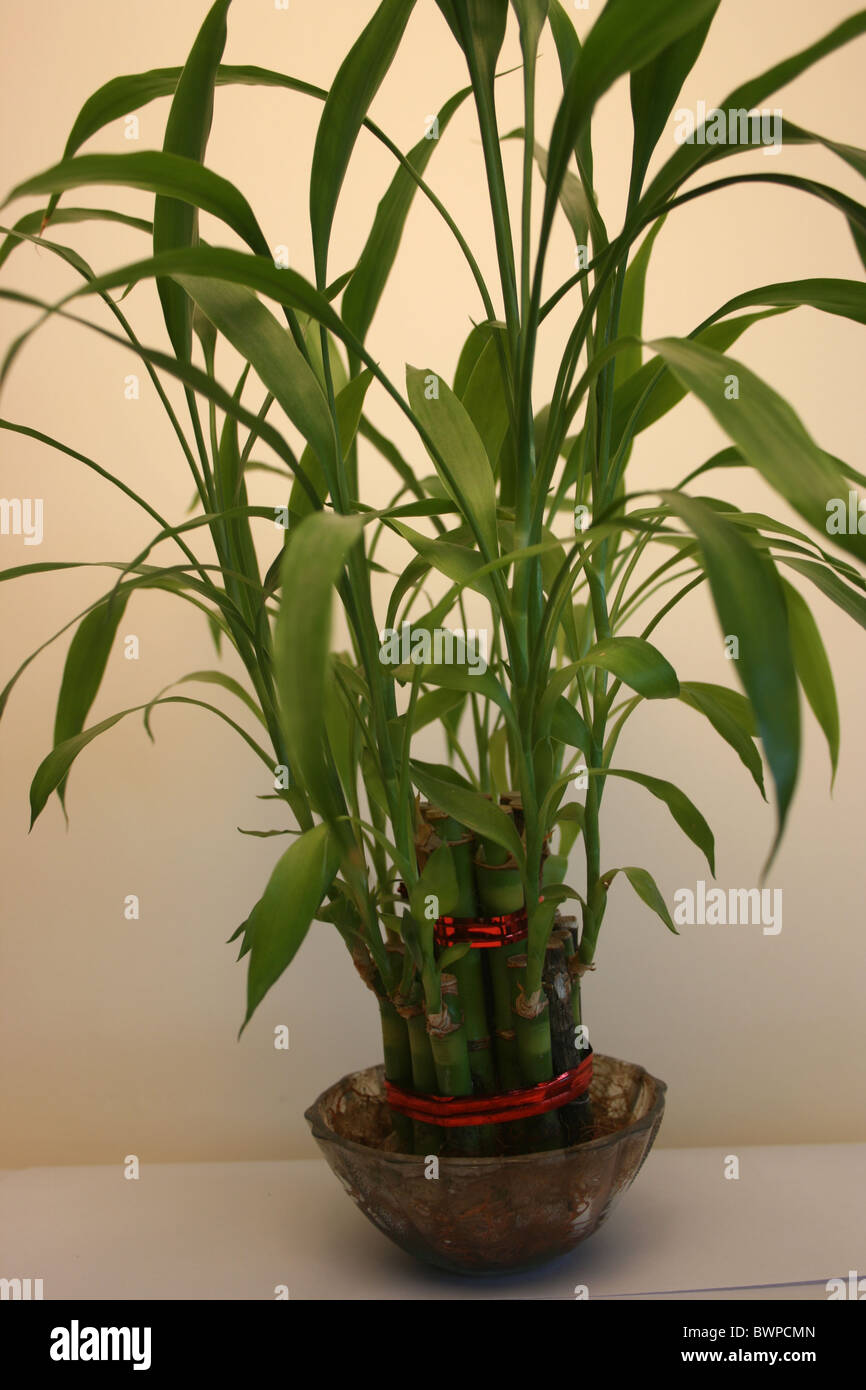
(528, 505)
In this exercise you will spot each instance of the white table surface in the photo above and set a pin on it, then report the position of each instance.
(795, 1218)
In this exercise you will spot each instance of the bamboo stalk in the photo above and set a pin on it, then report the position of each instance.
(449, 1045)
(505, 1036)
(558, 987)
(398, 1064)
(427, 1139)
(500, 891)
(567, 929)
(473, 1003)
(468, 973)
(463, 856)
(532, 1026)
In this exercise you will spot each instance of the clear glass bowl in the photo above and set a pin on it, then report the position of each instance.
(483, 1215)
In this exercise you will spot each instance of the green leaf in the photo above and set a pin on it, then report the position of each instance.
(31, 223)
(281, 918)
(832, 587)
(479, 28)
(231, 492)
(689, 157)
(373, 781)
(175, 223)
(847, 298)
(460, 458)
(684, 811)
(438, 879)
(497, 747)
(349, 404)
(451, 955)
(85, 666)
(269, 347)
(256, 273)
(444, 773)
(655, 88)
(476, 341)
(481, 683)
(636, 662)
(625, 37)
(312, 565)
(429, 708)
(484, 398)
(567, 726)
(572, 197)
(750, 603)
(370, 276)
(631, 659)
(766, 430)
(713, 701)
(733, 702)
(531, 16)
(354, 87)
(205, 385)
(571, 819)
(631, 310)
(456, 562)
(54, 768)
(469, 808)
(124, 94)
(172, 175)
(568, 51)
(647, 890)
(668, 391)
(228, 683)
(813, 669)
(795, 135)
(341, 730)
(121, 95)
(171, 579)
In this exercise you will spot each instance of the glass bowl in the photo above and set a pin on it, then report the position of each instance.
(488, 1215)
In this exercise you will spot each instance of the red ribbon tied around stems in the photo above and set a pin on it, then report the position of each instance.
(480, 931)
(454, 1111)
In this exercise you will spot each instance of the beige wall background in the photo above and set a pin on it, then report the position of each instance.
(119, 1036)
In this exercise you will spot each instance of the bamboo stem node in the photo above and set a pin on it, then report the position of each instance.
(529, 1005)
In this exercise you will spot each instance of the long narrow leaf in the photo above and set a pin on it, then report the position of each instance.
(370, 276)
(312, 564)
(749, 600)
(357, 82)
(172, 175)
(85, 666)
(280, 920)
(766, 430)
(683, 810)
(175, 223)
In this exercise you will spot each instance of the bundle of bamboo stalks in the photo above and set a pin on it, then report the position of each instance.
(490, 1037)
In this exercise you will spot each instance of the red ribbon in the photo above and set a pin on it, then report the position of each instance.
(480, 931)
(453, 1111)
